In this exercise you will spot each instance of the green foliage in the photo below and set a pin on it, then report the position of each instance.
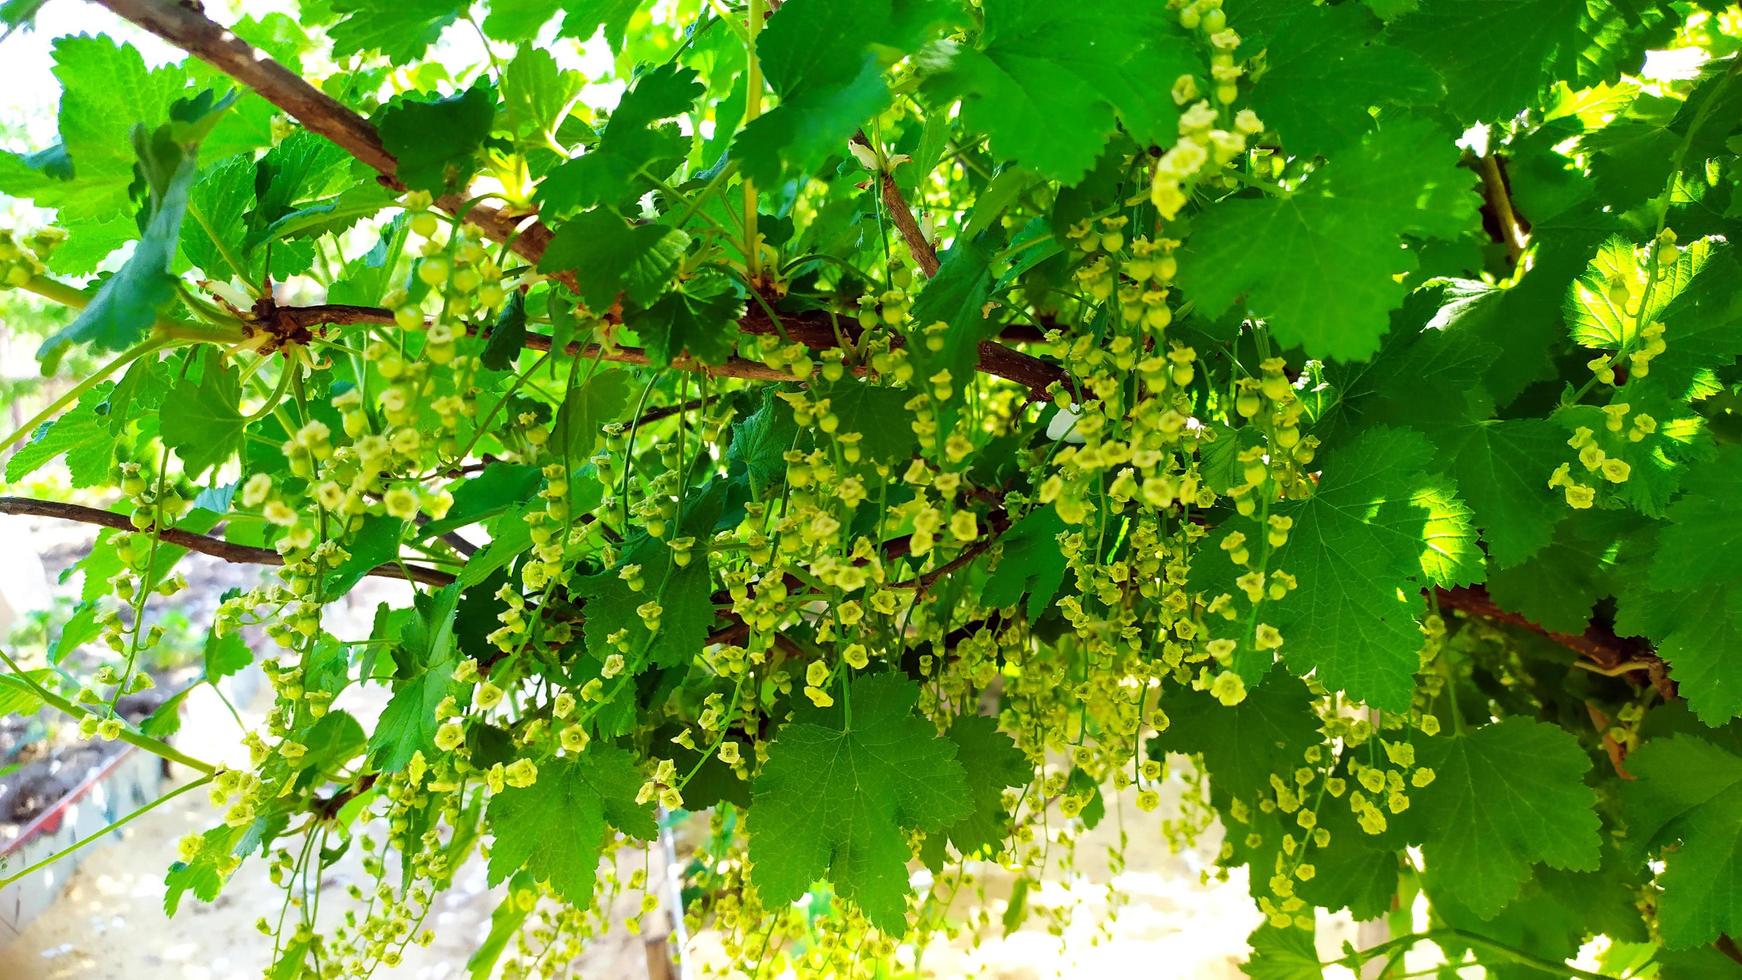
(913, 433)
(839, 787)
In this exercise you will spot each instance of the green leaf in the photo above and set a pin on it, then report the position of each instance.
(1504, 798)
(105, 91)
(1501, 467)
(374, 543)
(508, 335)
(1704, 521)
(128, 302)
(203, 874)
(82, 434)
(1601, 320)
(589, 407)
(698, 320)
(1700, 637)
(1689, 790)
(436, 139)
(555, 828)
(1283, 953)
(1702, 324)
(956, 298)
(1326, 66)
(633, 150)
(760, 441)
(225, 655)
(991, 762)
(819, 58)
(1493, 81)
(609, 258)
(400, 31)
(683, 591)
(216, 226)
(18, 696)
(1326, 279)
(201, 419)
(837, 793)
(536, 94)
(879, 416)
(304, 167)
(1380, 526)
(1240, 745)
(519, 20)
(408, 723)
(505, 923)
(1029, 563)
(1048, 80)
(1557, 587)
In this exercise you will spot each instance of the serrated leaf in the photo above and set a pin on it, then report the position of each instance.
(1048, 81)
(1030, 563)
(698, 320)
(684, 593)
(1325, 67)
(760, 441)
(632, 148)
(879, 416)
(837, 793)
(81, 434)
(106, 90)
(1689, 790)
(609, 258)
(1557, 587)
(1380, 527)
(1239, 744)
(128, 302)
(536, 93)
(1489, 81)
(555, 828)
(1500, 466)
(519, 20)
(991, 762)
(435, 139)
(588, 408)
(202, 420)
(225, 655)
(408, 723)
(400, 31)
(1326, 280)
(1505, 798)
(1283, 953)
(507, 336)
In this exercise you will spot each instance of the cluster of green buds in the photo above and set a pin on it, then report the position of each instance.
(23, 259)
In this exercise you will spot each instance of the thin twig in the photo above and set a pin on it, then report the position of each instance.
(229, 551)
(922, 251)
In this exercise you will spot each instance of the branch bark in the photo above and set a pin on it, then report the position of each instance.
(814, 329)
(229, 551)
(1596, 644)
(922, 251)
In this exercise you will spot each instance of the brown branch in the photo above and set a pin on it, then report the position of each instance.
(1511, 232)
(814, 329)
(922, 251)
(1728, 947)
(1609, 652)
(229, 551)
